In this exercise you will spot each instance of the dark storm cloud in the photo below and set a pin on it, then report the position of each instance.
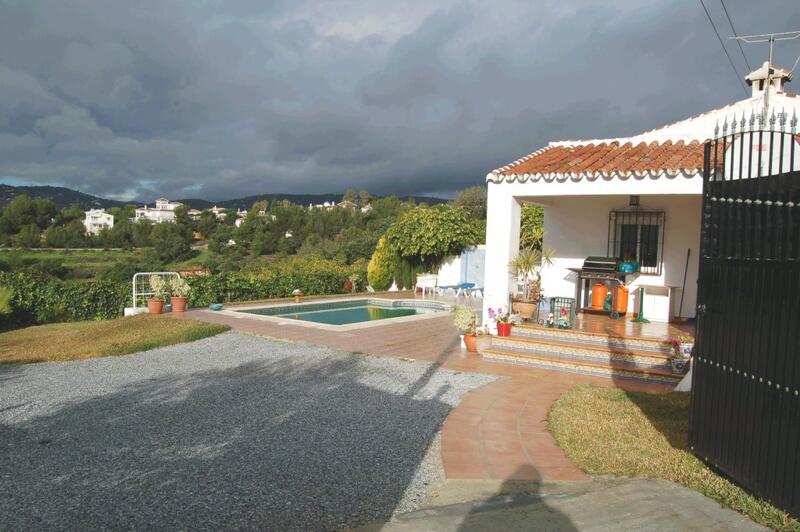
(219, 99)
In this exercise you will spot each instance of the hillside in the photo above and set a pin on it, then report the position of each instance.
(61, 196)
(64, 197)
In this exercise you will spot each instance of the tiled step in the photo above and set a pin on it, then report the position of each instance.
(590, 339)
(582, 351)
(609, 369)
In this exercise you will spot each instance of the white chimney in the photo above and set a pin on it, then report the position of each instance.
(758, 78)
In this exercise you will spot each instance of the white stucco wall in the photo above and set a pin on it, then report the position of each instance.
(577, 227)
(464, 268)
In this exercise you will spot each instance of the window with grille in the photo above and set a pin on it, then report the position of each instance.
(636, 235)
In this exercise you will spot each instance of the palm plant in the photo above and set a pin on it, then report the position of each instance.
(527, 265)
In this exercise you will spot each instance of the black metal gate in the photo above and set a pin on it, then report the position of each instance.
(745, 405)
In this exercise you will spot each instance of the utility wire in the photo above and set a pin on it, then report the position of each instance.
(746, 62)
(735, 72)
(795, 64)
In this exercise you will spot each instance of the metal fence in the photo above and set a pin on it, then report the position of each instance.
(142, 290)
(746, 379)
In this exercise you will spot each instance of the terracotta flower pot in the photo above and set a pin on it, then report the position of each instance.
(178, 303)
(469, 341)
(155, 306)
(504, 329)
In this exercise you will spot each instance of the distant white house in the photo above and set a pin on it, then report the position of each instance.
(96, 220)
(240, 217)
(366, 208)
(194, 214)
(164, 211)
(219, 212)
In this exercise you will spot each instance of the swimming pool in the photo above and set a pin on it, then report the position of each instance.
(349, 312)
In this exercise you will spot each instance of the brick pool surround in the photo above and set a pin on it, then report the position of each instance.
(498, 431)
(241, 311)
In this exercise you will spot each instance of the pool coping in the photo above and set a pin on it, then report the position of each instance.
(239, 312)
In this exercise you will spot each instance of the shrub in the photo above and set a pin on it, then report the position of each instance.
(38, 299)
(311, 275)
(430, 234)
(380, 271)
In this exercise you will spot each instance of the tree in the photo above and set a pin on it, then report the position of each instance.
(380, 271)
(429, 234)
(69, 214)
(23, 211)
(71, 235)
(29, 236)
(207, 223)
(364, 198)
(170, 241)
(531, 231)
(473, 200)
(349, 195)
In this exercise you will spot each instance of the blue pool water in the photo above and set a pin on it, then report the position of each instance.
(345, 312)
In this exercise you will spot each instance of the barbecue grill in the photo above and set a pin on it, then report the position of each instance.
(598, 269)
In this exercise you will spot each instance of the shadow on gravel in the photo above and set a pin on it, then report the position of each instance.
(266, 445)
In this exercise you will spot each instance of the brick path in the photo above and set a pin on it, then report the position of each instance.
(498, 431)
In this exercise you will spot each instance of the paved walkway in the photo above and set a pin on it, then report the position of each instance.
(498, 431)
(600, 506)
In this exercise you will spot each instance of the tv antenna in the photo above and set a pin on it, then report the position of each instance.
(771, 38)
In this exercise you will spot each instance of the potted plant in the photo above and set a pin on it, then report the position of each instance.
(527, 267)
(682, 347)
(160, 293)
(180, 291)
(502, 319)
(465, 320)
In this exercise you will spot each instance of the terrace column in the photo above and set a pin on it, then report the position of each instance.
(502, 244)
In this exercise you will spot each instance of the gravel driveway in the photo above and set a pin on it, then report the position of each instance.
(231, 432)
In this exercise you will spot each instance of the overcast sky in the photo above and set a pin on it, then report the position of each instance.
(219, 99)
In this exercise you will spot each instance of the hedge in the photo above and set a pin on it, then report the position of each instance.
(312, 276)
(41, 299)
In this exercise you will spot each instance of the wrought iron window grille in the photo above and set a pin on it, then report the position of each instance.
(637, 235)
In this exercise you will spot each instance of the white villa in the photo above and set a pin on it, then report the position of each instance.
(164, 211)
(219, 212)
(633, 198)
(95, 220)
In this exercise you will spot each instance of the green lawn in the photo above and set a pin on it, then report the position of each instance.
(607, 431)
(91, 339)
(82, 263)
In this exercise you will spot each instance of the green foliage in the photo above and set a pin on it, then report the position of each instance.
(159, 286)
(531, 231)
(406, 271)
(69, 235)
(313, 276)
(29, 236)
(382, 265)
(178, 287)
(38, 299)
(430, 234)
(24, 211)
(358, 274)
(464, 318)
(6, 295)
(171, 241)
(472, 200)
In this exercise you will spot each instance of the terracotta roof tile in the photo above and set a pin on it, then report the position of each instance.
(608, 158)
